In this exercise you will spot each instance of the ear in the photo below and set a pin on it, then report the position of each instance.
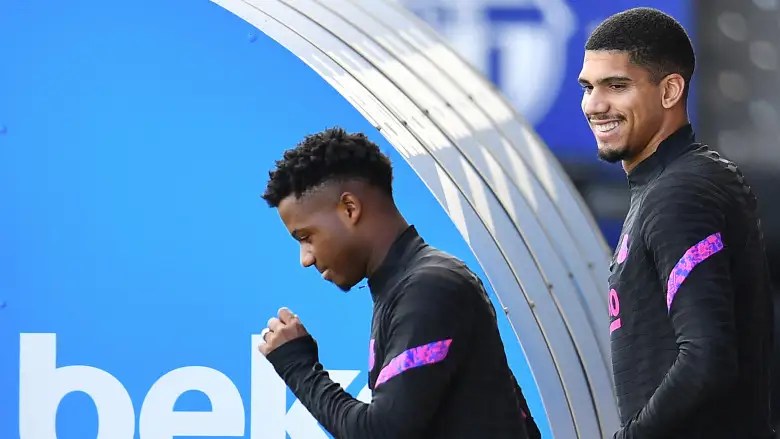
(672, 88)
(351, 207)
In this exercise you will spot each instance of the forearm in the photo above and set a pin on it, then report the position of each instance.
(704, 367)
(342, 415)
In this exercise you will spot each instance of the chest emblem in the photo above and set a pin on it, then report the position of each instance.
(371, 355)
(614, 311)
(623, 250)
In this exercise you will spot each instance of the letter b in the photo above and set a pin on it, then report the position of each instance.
(43, 385)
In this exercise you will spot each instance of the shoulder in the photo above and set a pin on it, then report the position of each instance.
(699, 180)
(437, 274)
(690, 198)
(439, 265)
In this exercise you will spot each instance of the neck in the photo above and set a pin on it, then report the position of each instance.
(383, 237)
(667, 129)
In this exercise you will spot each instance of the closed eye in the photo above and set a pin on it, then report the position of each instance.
(301, 236)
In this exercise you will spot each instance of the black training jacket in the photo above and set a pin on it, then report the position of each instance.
(689, 301)
(437, 367)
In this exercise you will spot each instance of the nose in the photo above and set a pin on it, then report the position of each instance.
(594, 103)
(307, 257)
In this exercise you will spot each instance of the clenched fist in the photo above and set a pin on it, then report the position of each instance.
(286, 327)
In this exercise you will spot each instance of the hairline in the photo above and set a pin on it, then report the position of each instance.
(329, 183)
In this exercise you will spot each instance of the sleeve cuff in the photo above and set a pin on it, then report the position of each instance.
(303, 349)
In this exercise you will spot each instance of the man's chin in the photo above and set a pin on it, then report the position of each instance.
(611, 154)
(343, 286)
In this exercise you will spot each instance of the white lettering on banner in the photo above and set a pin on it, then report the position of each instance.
(43, 385)
(269, 419)
(158, 420)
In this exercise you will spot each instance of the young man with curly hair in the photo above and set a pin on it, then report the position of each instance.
(437, 363)
(689, 299)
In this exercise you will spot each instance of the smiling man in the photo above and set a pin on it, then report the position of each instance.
(689, 300)
(437, 367)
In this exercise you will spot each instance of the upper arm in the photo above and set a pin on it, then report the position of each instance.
(433, 309)
(685, 226)
(684, 230)
(427, 337)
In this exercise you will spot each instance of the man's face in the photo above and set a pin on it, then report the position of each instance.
(622, 104)
(326, 232)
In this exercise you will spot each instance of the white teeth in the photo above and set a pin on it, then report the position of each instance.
(605, 127)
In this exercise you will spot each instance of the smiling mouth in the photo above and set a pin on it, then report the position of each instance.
(605, 127)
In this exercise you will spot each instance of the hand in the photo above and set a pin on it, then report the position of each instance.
(286, 327)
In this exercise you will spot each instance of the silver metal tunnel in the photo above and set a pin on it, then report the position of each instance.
(508, 196)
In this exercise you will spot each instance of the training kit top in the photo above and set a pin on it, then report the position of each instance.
(689, 300)
(437, 367)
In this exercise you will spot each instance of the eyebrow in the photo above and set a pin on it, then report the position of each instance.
(608, 79)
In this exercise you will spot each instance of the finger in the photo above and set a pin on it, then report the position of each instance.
(263, 348)
(264, 333)
(274, 324)
(285, 315)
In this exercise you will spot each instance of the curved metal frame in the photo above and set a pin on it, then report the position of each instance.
(503, 189)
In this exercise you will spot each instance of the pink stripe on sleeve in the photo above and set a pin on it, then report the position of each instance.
(693, 257)
(430, 353)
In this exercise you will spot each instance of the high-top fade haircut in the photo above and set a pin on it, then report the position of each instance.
(329, 156)
(653, 40)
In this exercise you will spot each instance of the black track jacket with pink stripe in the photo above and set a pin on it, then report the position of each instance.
(689, 300)
(437, 366)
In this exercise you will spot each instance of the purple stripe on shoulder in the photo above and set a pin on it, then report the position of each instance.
(430, 353)
(693, 257)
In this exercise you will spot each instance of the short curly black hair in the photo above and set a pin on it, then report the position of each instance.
(653, 39)
(328, 156)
